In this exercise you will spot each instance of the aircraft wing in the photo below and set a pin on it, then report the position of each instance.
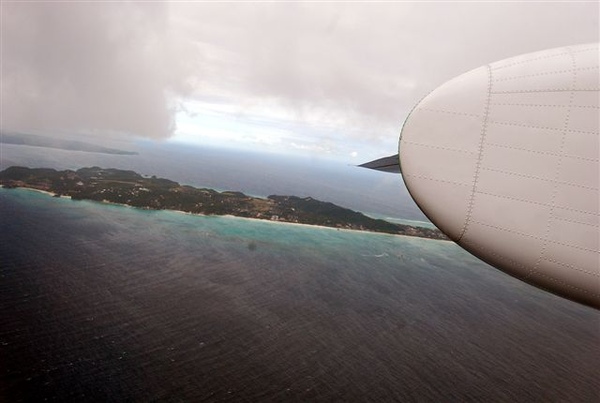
(504, 160)
(386, 164)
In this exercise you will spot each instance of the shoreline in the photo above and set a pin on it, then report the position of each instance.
(319, 226)
(278, 222)
(47, 193)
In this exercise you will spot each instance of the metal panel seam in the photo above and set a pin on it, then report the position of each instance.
(545, 239)
(594, 213)
(484, 124)
(514, 263)
(539, 178)
(575, 157)
(534, 270)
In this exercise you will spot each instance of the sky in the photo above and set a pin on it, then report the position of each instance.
(333, 79)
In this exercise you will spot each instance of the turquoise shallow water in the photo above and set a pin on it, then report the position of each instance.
(110, 303)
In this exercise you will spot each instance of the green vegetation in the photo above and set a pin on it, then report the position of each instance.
(133, 189)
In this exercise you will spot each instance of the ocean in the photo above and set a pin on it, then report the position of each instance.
(110, 303)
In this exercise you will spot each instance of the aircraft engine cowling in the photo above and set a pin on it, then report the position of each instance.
(504, 160)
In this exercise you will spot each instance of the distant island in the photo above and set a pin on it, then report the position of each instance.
(132, 189)
(33, 140)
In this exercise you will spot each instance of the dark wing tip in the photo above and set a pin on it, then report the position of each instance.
(386, 164)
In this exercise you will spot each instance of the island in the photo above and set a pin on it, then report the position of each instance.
(32, 140)
(149, 192)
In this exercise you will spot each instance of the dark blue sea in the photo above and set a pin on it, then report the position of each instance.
(109, 303)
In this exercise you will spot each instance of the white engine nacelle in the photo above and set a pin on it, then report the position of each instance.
(504, 160)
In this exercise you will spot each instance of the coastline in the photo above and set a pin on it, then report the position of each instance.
(51, 194)
(48, 193)
(320, 227)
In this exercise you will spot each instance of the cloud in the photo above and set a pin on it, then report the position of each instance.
(89, 66)
(350, 71)
(361, 67)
